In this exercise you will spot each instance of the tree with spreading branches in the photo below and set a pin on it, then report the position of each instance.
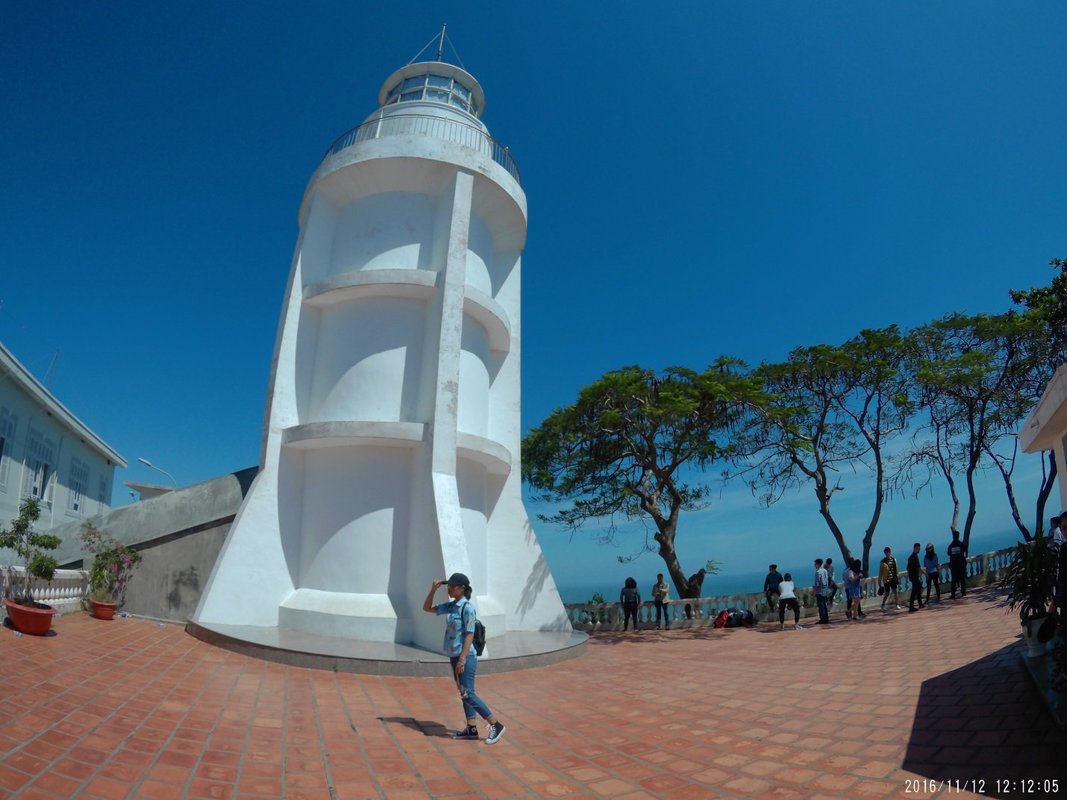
(832, 408)
(633, 446)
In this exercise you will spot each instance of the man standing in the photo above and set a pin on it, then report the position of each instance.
(660, 595)
(889, 578)
(915, 575)
(957, 565)
(1055, 531)
(822, 592)
(771, 586)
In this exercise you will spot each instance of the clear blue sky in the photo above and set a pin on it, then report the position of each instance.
(703, 178)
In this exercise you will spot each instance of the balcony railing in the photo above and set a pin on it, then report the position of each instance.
(64, 592)
(449, 130)
(701, 612)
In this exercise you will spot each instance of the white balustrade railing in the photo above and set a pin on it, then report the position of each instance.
(701, 612)
(64, 592)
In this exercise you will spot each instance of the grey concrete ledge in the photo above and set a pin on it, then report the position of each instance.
(1037, 668)
(513, 651)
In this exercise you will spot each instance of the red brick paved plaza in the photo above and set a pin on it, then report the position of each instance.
(887, 707)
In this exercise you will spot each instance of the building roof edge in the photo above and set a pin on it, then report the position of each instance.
(25, 379)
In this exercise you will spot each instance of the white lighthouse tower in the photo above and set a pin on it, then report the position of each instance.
(390, 451)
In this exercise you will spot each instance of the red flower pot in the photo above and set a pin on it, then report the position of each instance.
(103, 610)
(28, 619)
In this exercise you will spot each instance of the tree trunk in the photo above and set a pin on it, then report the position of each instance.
(1009, 490)
(1045, 491)
(972, 500)
(831, 523)
(665, 537)
(879, 498)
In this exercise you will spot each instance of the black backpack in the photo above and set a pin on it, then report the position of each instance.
(479, 637)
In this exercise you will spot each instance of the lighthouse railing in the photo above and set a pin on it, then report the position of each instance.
(449, 130)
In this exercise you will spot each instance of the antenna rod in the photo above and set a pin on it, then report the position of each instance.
(51, 369)
(441, 44)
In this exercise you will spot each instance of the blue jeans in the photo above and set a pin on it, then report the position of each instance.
(472, 703)
(824, 612)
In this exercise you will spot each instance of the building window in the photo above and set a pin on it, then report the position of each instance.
(102, 493)
(79, 483)
(40, 467)
(8, 424)
(438, 88)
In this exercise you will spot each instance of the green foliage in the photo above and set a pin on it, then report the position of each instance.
(1049, 304)
(28, 545)
(976, 377)
(623, 447)
(112, 566)
(633, 444)
(1031, 577)
(831, 408)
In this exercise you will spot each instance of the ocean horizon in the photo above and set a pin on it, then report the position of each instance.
(746, 582)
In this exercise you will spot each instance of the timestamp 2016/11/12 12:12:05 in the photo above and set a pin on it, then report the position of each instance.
(1023, 786)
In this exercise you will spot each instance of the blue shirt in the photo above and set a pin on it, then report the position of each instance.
(461, 616)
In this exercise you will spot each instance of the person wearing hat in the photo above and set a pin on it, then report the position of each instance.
(460, 616)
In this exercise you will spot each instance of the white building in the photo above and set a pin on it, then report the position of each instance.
(390, 451)
(48, 453)
(1046, 429)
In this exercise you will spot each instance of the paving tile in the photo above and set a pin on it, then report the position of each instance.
(191, 721)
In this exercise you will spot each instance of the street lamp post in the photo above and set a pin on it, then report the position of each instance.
(149, 464)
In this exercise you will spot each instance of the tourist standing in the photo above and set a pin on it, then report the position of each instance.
(1055, 531)
(915, 576)
(770, 586)
(460, 618)
(661, 593)
(822, 592)
(853, 576)
(957, 565)
(787, 598)
(933, 571)
(829, 565)
(889, 578)
(630, 598)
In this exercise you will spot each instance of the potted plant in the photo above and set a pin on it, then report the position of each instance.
(1029, 581)
(110, 572)
(25, 614)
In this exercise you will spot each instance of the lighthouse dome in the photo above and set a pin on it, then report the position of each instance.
(436, 83)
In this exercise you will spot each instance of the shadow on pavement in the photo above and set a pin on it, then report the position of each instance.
(982, 728)
(425, 727)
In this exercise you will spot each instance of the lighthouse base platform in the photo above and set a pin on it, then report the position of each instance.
(514, 650)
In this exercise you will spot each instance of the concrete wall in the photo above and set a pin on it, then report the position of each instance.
(179, 536)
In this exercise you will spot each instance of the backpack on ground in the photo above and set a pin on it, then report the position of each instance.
(722, 618)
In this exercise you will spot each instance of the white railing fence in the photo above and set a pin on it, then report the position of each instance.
(64, 592)
(699, 613)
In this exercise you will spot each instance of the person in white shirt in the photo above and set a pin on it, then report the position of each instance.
(787, 598)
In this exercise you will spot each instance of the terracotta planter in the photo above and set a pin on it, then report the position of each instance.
(28, 619)
(102, 610)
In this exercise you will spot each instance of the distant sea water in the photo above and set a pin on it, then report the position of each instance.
(728, 582)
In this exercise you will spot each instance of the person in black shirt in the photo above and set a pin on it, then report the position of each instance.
(957, 565)
(915, 576)
(770, 586)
